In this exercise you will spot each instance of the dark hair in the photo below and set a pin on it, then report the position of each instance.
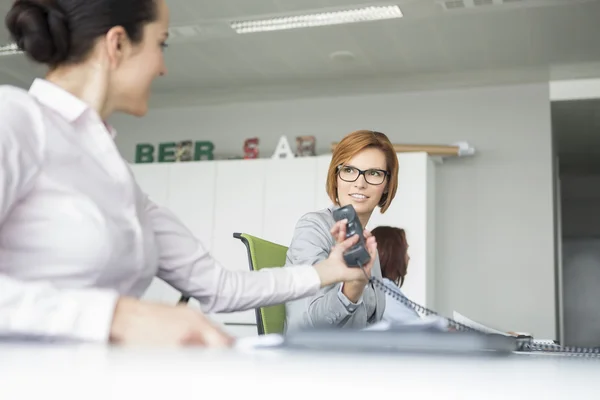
(57, 32)
(392, 248)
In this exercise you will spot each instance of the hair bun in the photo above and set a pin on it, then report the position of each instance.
(40, 29)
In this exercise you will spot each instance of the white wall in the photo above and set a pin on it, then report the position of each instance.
(495, 246)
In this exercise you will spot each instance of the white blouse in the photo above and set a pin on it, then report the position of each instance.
(76, 231)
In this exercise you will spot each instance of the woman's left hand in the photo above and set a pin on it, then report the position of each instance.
(334, 268)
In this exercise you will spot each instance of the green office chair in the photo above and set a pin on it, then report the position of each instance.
(265, 254)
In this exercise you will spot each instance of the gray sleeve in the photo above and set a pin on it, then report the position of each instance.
(312, 243)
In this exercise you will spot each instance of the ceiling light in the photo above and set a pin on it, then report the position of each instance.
(9, 49)
(372, 13)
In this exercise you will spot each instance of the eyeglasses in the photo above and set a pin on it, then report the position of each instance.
(372, 176)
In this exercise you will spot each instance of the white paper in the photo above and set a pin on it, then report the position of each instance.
(476, 325)
(259, 342)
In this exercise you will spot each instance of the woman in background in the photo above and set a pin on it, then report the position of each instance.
(363, 172)
(393, 258)
(79, 241)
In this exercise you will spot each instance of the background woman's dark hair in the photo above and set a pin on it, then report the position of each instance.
(392, 248)
(57, 32)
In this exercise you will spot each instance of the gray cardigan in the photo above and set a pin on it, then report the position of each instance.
(311, 243)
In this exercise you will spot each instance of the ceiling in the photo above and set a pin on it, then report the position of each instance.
(555, 39)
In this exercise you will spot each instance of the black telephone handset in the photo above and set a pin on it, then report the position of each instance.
(357, 255)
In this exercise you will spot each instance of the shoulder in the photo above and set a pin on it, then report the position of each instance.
(314, 227)
(21, 115)
(312, 239)
(18, 107)
(390, 284)
(19, 110)
(15, 97)
(321, 219)
(392, 287)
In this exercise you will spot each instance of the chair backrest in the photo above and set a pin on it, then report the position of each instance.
(265, 254)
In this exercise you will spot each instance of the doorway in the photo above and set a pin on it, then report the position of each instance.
(576, 130)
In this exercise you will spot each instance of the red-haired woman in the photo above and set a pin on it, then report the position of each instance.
(364, 173)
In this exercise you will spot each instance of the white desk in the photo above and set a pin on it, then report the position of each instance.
(89, 373)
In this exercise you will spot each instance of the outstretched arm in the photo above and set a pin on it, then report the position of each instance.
(189, 267)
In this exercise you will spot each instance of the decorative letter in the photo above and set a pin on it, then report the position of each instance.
(204, 151)
(283, 149)
(184, 151)
(166, 152)
(251, 148)
(305, 146)
(144, 153)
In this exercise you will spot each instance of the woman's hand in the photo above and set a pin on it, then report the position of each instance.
(339, 233)
(334, 268)
(141, 323)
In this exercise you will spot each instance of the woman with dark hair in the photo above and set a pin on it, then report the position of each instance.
(79, 241)
(393, 257)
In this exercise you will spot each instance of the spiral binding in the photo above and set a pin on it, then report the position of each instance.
(555, 348)
(452, 324)
(524, 345)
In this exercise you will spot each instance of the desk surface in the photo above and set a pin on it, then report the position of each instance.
(95, 372)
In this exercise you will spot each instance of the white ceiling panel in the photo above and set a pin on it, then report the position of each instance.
(549, 35)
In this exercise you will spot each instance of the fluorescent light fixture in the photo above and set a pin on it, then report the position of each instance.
(363, 14)
(9, 49)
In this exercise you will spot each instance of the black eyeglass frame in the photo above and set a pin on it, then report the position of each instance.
(386, 174)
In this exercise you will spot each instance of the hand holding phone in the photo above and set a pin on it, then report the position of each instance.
(358, 254)
(335, 268)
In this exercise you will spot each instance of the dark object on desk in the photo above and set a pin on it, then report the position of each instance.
(402, 340)
(183, 299)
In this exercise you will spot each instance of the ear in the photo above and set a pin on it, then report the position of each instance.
(117, 45)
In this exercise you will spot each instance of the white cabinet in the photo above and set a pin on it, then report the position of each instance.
(289, 194)
(192, 197)
(239, 207)
(266, 197)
